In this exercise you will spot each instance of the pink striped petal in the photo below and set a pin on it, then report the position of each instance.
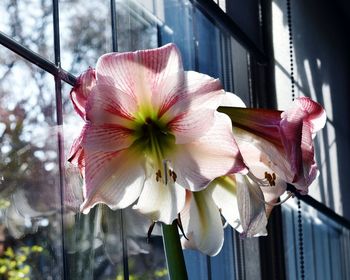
(213, 155)
(81, 90)
(306, 110)
(161, 202)
(76, 154)
(202, 224)
(257, 151)
(115, 179)
(106, 137)
(298, 126)
(107, 104)
(262, 122)
(139, 73)
(195, 91)
(191, 109)
(284, 137)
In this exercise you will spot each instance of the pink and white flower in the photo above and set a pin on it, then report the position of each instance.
(283, 140)
(277, 148)
(151, 130)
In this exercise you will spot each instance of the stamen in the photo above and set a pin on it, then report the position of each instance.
(261, 182)
(179, 224)
(271, 178)
(168, 171)
(268, 181)
(174, 176)
(158, 175)
(290, 195)
(150, 231)
(165, 168)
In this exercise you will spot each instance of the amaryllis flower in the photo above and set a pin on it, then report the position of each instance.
(151, 131)
(283, 140)
(277, 148)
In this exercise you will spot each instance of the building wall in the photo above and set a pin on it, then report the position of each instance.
(321, 67)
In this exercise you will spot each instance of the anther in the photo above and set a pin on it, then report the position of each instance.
(158, 175)
(174, 176)
(271, 178)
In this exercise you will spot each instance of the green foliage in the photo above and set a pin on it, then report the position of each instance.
(15, 264)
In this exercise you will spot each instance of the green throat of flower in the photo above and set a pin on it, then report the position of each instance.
(153, 138)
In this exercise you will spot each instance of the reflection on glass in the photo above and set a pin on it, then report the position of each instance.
(30, 232)
(85, 31)
(19, 20)
(136, 25)
(325, 244)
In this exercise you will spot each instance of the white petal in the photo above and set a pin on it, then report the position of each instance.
(202, 224)
(161, 202)
(232, 100)
(115, 179)
(251, 207)
(224, 193)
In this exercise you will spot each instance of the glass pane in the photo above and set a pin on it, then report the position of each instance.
(136, 25)
(19, 20)
(85, 33)
(30, 216)
(325, 244)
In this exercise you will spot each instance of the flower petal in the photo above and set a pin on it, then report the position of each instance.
(82, 89)
(232, 100)
(76, 154)
(161, 202)
(262, 122)
(192, 106)
(131, 72)
(202, 223)
(224, 193)
(306, 110)
(256, 149)
(107, 104)
(251, 207)
(115, 179)
(213, 155)
(106, 137)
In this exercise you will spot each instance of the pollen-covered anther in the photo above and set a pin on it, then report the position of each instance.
(174, 176)
(271, 178)
(291, 194)
(158, 175)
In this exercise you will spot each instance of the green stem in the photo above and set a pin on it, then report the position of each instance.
(173, 252)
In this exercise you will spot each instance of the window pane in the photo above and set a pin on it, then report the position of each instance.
(323, 244)
(19, 20)
(136, 25)
(85, 31)
(30, 219)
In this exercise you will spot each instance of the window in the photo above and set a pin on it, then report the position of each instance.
(40, 192)
(42, 233)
